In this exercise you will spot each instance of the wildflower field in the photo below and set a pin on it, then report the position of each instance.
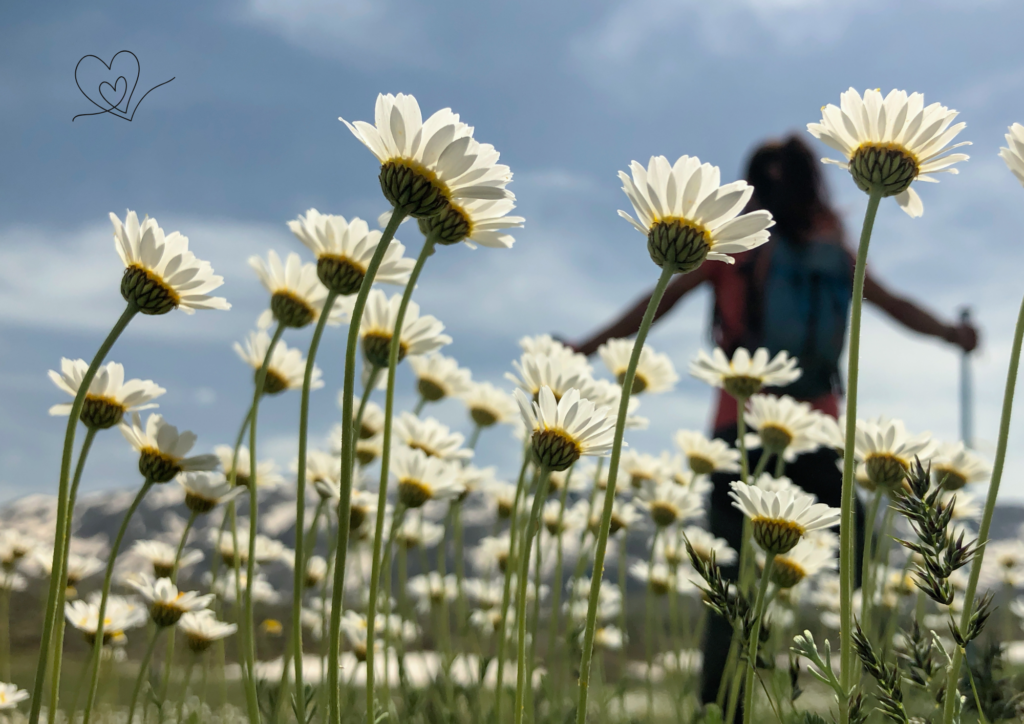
(584, 582)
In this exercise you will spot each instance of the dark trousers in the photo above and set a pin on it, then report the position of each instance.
(818, 474)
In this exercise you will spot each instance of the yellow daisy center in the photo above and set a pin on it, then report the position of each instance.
(414, 493)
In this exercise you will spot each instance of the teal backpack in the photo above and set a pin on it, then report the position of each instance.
(805, 302)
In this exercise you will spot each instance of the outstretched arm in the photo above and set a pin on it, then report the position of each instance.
(920, 320)
(628, 324)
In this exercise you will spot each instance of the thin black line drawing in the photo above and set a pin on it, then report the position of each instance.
(125, 97)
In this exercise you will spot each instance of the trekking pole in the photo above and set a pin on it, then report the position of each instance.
(966, 390)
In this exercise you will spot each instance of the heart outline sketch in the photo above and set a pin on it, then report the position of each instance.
(115, 109)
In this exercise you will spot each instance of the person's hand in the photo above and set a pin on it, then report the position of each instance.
(963, 335)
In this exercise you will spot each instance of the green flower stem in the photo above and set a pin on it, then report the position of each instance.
(232, 476)
(58, 655)
(348, 441)
(64, 511)
(865, 574)
(755, 635)
(181, 546)
(540, 494)
(184, 689)
(5, 633)
(621, 571)
(252, 703)
(97, 646)
(534, 619)
(461, 608)
(243, 635)
(510, 563)
(298, 584)
(419, 406)
(474, 436)
(780, 466)
(847, 523)
(881, 556)
(609, 501)
(389, 406)
(741, 442)
(990, 506)
(556, 589)
(648, 628)
(143, 670)
(83, 676)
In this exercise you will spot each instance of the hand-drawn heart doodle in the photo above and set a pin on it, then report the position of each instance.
(92, 72)
(113, 90)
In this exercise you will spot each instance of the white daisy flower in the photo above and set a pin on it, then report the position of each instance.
(783, 426)
(109, 396)
(475, 221)
(371, 424)
(262, 590)
(707, 456)
(1013, 152)
(688, 216)
(343, 250)
(202, 629)
(79, 567)
(268, 550)
(606, 638)
(297, 297)
(546, 345)
(609, 601)
(697, 485)
(427, 165)
(432, 589)
(555, 371)
(166, 603)
(418, 532)
(557, 521)
(668, 503)
(831, 435)
(780, 520)
(503, 494)
(604, 393)
(491, 554)
(954, 466)
(489, 405)
(316, 570)
(643, 468)
(15, 545)
(422, 477)
(122, 614)
(888, 451)
(565, 430)
(658, 577)
(160, 273)
(771, 484)
(266, 470)
(705, 543)
(12, 581)
(744, 375)
(419, 335)
(1004, 561)
(654, 371)
(430, 436)
(322, 466)
(625, 515)
(11, 696)
(890, 142)
(162, 449)
(438, 376)
(806, 559)
(287, 366)
(161, 555)
(204, 491)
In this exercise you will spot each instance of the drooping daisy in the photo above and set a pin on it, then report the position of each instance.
(427, 165)
(121, 615)
(431, 437)
(890, 142)
(565, 430)
(161, 555)
(204, 491)
(707, 456)
(1013, 152)
(286, 368)
(688, 216)
(704, 544)
(266, 470)
(109, 397)
(432, 589)
(297, 297)
(419, 335)
(11, 695)
(489, 405)
(668, 503)
(166, 603)
(343, 250)
(202, 629)
(422, 478)
(654, 371)
(438, 376)
(162, 449)
(887, 450)
(806, 559)
(160, 272)
(744, 375)
(783, 426)
(953, 466)
(780, 520)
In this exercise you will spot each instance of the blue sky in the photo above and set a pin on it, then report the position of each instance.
(246, 137)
